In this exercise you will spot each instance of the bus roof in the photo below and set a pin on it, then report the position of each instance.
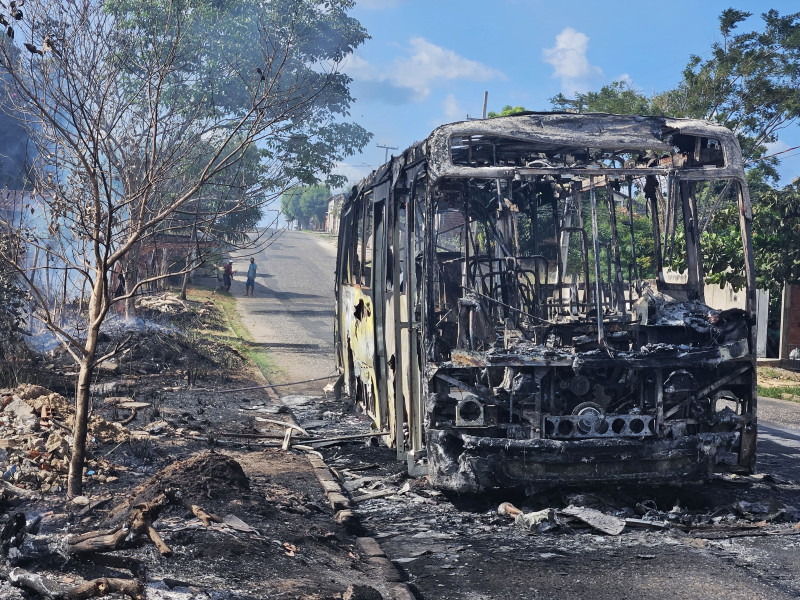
(535, 143)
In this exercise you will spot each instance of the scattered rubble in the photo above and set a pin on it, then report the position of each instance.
(172, 508)
(35, 437)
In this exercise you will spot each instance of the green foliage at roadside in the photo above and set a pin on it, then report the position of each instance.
(506, 111)
(307, 205)
(776, 243)
(788, 392)
(241, 339)
(618, 97)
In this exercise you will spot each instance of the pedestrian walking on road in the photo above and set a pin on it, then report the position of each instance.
(227, 276)
(250, 284)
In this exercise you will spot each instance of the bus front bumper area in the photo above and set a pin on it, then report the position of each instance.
(464, 463)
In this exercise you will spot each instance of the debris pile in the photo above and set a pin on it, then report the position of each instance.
(35, 439)
(131, 524)
(742, 516)
(168, 309)
(163, 340)
(164, 303)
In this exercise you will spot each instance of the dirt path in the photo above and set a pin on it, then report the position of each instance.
(291, 313)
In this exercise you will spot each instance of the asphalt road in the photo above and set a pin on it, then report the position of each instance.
(291, 312)
(448, 551)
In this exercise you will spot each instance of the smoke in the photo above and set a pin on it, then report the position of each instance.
(15, 148)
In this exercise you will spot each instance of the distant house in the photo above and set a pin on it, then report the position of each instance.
(160, 255)
(165, 255)
(333, 214)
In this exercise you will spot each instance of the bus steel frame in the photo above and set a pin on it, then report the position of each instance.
(486, 322)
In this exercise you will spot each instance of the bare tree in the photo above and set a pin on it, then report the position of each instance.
(141, 115)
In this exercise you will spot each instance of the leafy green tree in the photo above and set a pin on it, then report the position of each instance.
(506, 111)
(314, 204)
(776, 237)
(307, 205)
(749, 84)
(618, 97)
(290, 204)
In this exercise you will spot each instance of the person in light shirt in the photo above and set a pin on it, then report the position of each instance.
(250, 284)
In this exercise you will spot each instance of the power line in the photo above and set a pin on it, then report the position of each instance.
(386, 152)
(774, 154)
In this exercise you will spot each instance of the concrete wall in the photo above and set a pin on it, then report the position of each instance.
(334, 211)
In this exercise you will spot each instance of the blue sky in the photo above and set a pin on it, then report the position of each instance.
(428, 62)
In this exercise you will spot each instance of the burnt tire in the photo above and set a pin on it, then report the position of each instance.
(592, 412)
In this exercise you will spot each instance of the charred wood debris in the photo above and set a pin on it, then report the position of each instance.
(38, 527)
(166, 390)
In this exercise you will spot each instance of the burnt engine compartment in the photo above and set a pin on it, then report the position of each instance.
(675, 374)
(557, 403)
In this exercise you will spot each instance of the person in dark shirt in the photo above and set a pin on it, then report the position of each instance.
(227, 276)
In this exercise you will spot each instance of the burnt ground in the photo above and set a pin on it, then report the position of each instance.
(215, 447)
(732, 537)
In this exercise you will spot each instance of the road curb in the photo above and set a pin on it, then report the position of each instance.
(376, 559)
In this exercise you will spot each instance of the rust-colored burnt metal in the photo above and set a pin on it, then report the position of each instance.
(521, 301)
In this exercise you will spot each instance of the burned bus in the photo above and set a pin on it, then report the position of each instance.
(520, 302)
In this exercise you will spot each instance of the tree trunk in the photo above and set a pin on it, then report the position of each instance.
(185, 284)
(82, 395)
(132, 278)
(75, 480)
(190, 263)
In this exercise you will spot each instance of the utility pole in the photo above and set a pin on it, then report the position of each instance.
(485, 102)
(386, 151)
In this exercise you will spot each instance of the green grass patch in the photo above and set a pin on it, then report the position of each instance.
(779, 392)
(241, 339)
(769, 372)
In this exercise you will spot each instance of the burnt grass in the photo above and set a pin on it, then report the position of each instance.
(445, 546)
(290, 545)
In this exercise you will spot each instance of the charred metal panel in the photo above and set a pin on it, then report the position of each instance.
(470, 464)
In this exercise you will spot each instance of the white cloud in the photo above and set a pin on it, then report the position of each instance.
(424, 66)
(452, 109)
(568, 58)
(358, 68)
(777, 146)
(430, 63)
